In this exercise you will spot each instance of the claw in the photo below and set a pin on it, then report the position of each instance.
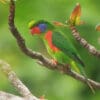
(54, 61)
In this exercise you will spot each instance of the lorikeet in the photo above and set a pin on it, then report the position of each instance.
(58, 45)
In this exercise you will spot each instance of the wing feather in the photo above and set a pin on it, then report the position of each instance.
(66, 47)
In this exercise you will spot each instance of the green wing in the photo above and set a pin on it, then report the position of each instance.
(66, 47)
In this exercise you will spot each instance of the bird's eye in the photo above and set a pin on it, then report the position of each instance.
(42, 27)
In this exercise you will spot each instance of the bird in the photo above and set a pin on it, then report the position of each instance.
(59, 47)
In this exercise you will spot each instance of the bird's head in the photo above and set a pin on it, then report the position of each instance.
(40, 27)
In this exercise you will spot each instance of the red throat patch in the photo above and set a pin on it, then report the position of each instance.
(48, 37)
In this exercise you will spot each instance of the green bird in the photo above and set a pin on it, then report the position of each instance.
(58, 45)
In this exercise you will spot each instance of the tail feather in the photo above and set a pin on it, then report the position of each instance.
(91, 87)
(86, 78)
(77, 58)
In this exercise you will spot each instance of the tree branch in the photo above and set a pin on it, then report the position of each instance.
(8, 96)
(84, 43)
(35, 55)
(16, 82)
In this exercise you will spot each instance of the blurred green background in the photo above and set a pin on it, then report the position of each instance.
(40, 80)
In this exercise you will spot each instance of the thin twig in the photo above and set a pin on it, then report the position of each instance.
(84, 43)
(35, 55)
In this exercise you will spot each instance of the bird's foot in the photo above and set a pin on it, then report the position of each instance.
(54, 62)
